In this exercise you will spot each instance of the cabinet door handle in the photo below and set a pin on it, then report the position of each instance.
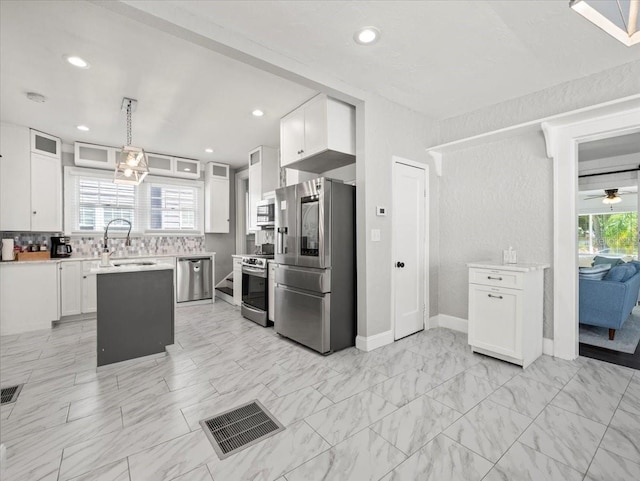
(494, 297)
(494, 278)
(34, 212)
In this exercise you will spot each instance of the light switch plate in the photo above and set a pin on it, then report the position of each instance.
(375, 235)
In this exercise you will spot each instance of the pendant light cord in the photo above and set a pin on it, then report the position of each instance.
(129, 122)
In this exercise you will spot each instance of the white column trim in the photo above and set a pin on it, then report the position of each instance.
(370, 343)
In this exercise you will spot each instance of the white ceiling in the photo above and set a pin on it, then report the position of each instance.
(189, 98)
(442, 58)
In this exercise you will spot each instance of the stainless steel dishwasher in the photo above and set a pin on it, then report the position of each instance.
(194, 278)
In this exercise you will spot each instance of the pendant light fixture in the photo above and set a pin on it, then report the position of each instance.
(132, 166)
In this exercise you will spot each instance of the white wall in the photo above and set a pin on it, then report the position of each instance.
(494, 196)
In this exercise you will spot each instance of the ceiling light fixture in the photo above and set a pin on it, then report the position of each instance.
(612, 197)
(257, 113)
(618, 18)
(132, 166)
(36, 97)
(209, 150)
(77, 61)
(367, 35)
(84, 128)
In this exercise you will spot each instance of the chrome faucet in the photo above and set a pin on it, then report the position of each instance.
(127, 242)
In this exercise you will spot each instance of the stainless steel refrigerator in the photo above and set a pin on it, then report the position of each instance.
(315, 294)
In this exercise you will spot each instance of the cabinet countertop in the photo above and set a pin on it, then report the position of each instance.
(521, 267)
(94, 258)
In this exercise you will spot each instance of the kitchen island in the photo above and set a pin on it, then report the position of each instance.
(136, 311)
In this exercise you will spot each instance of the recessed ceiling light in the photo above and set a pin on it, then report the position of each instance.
(367, 35)
(77, 61)
(36, 97)
(257, 113)
(84, 128)
(209, 150)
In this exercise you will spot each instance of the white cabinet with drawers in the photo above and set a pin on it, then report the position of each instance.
(506, 310)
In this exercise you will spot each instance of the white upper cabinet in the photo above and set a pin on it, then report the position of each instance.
(15, 178)
(45, 144)
(30, 181)
(216, 198)
(104, 157)
(263, 177)
(319, 135)
(46, 193)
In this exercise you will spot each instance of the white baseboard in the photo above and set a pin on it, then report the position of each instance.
(450, 322)
(370, 343)
(547, 346)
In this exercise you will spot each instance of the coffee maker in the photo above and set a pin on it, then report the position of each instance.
(61, 246)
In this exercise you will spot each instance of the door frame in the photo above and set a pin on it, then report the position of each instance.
(241, 221)
(425, 268)
(562, 139)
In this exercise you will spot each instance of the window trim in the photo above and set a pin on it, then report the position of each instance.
(141, 205)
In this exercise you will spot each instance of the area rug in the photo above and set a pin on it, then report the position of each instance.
(626, 339)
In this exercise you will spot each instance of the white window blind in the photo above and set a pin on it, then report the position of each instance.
(157, 206)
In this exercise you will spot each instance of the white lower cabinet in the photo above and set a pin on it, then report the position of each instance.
(272, 290)
(89, 287)
(70, 288)
(29, 296)
(506, 311)
(237, 281)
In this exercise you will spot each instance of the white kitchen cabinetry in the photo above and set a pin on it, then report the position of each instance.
(70, 288)
(318, 136)
(506, 310)
(29, 294)
(89, 287)
(15, 178)
(216, 198)
(46, 193)
(95, 156)
(263, 177)
(30, 181)
(237, 280)
(272, 290)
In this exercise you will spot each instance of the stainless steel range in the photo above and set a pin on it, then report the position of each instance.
(255, 292)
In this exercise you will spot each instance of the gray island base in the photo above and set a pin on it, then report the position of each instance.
(135, 313)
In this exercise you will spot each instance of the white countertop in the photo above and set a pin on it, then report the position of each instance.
(116, 258)
(130, 268)
(520, 267)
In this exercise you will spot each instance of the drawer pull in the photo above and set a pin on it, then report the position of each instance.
(494, 297)
(494, 278)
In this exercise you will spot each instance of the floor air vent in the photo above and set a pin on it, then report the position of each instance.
(10, 394)
(239, 428)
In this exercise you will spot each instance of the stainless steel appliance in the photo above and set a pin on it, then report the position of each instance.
(315, 298)
(255, 292)
(61, 246)
(266, 214)
(193, 278)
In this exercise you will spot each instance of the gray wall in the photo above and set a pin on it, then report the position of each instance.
(491, 197)
(224, 245)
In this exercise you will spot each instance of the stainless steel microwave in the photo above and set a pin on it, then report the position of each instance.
(266, 214)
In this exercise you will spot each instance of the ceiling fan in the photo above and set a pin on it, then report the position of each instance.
(611, 196)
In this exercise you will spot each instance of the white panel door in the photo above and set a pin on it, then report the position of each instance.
(46, 193)
(70, 288)
(15, 178)
(409, 230)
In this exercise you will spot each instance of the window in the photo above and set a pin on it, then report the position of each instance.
(166, 206)
(173, 208)
(615, 233)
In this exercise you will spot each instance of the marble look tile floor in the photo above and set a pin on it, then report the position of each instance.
(422, 408)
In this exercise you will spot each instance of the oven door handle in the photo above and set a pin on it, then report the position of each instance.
(254, 271)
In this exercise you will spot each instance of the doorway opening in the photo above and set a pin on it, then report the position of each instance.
(609, 271)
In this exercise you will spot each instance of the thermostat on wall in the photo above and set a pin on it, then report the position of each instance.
(381, 211)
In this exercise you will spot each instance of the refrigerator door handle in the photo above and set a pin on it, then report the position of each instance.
(282, 231)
